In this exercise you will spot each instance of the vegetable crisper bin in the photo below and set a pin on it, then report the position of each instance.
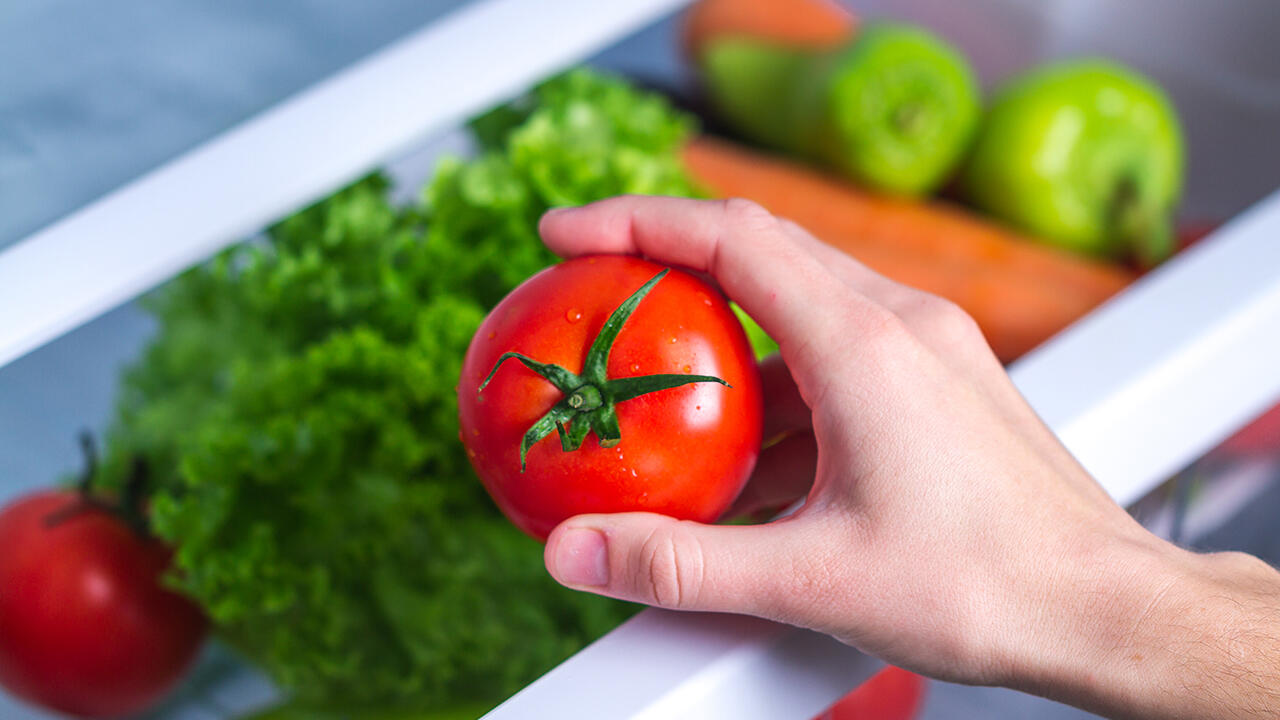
(1138, 390)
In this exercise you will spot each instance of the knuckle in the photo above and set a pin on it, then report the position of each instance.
(672, 560)
(952, 322)
(747, 214)
(943, 322)
(885, 330)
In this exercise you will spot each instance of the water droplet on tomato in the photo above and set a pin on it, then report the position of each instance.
(673, 339)
(476, 432)
(688, 369)
(492, 334)
(697, 407)
(573, 315)
(635, 367)
(633, 472)
(706, 299)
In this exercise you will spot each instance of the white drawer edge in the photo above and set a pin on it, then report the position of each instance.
(664, 665)
(294, 153)
(1166, 370)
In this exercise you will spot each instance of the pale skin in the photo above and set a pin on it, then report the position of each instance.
(945, 529)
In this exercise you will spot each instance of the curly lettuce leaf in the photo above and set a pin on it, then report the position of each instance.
(297, 412)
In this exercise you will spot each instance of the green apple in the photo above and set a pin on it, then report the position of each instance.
(1086, 155)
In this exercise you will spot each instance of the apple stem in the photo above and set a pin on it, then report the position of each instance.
(1141, 230)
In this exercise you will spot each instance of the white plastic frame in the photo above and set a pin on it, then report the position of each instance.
(150, 229)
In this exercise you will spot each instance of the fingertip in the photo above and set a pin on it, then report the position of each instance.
(551, 223)
(552, 213)
(576, 555)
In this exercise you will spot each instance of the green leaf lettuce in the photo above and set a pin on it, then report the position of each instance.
(297, 412)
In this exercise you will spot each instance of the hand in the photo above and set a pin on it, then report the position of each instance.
(945, 528)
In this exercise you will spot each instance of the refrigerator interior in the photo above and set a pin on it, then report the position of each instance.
(1228, 90)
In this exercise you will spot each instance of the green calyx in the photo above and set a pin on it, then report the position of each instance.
(590, 399)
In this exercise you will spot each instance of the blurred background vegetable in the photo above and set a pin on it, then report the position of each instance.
(890, 694)
(812, 24)
(1020, 294)
(1259, 438)
(894, 109)
(86, 626)
(1086, 155)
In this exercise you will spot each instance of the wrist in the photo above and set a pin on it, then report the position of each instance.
(1146, 629)
(1114, 648)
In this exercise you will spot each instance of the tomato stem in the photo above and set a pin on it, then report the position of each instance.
(585, 398)
(591, 398)
(129, 506)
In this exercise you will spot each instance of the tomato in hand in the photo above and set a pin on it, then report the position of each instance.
(85, 626)
(891, 694)
(613, 385)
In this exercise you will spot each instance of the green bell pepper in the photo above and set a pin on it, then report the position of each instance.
(895, 109)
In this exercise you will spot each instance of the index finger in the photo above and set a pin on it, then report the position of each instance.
(797, 300)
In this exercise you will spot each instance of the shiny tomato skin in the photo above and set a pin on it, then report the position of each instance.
(685, 452)
(85, 628)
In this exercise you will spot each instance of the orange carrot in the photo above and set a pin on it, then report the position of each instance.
(1020, 293)
(803, 23)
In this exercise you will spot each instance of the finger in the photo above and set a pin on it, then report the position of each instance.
(744, 248)
(848, 268)
(681, 565)
(936, 321)
(783, 474)
(784, 408)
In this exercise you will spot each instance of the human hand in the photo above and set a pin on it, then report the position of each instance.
(945, 528)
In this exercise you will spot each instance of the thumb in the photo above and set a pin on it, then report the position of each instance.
(677, 564)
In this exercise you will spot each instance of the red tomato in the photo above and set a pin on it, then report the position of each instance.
(891, 694)
(85, 628)
(684, 451)
(1260, 437)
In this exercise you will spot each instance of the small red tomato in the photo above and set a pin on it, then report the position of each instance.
(85, 627)
(635, 389)
(1260, 437)
(891, 694)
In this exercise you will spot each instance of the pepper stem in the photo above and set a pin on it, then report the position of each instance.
(591, 399)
